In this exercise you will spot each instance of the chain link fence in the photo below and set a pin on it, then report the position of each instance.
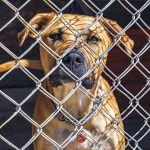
(133, 101)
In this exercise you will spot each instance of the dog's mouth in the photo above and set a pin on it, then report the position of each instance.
(58, 78)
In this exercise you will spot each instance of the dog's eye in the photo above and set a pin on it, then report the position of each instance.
(93, 39)
(56, 36)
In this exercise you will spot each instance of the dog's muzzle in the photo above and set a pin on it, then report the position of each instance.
(77, 64)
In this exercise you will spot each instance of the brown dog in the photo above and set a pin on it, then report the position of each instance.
(104, 129)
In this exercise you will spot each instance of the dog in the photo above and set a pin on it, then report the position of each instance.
(104, 128)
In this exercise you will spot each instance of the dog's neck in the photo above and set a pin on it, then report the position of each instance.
(61, 93)
(78, 101)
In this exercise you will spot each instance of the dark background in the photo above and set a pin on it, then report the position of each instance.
(17, 85)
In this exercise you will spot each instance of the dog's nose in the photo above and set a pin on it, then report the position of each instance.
(73, 59)
(75, 62)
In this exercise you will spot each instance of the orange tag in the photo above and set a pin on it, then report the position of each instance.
(80, 138)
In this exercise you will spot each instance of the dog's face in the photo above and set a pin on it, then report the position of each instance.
(61, 36)
(80, 58)
(84, 54)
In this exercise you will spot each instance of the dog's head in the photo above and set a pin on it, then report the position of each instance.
(63, 33)
(60, 34)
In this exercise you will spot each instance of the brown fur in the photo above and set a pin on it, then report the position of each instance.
(102, 125)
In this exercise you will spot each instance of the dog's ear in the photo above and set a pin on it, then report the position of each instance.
(38, 23)
(114, 28)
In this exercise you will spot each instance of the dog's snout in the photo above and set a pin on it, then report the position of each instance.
(73, 59)
(75, 62)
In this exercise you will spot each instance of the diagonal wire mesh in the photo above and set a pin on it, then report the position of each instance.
(79, 128)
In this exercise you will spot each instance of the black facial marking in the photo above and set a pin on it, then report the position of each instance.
(77, 64)
(88, 83)
(58, 80)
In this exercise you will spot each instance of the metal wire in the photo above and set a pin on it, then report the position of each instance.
(134, 99)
